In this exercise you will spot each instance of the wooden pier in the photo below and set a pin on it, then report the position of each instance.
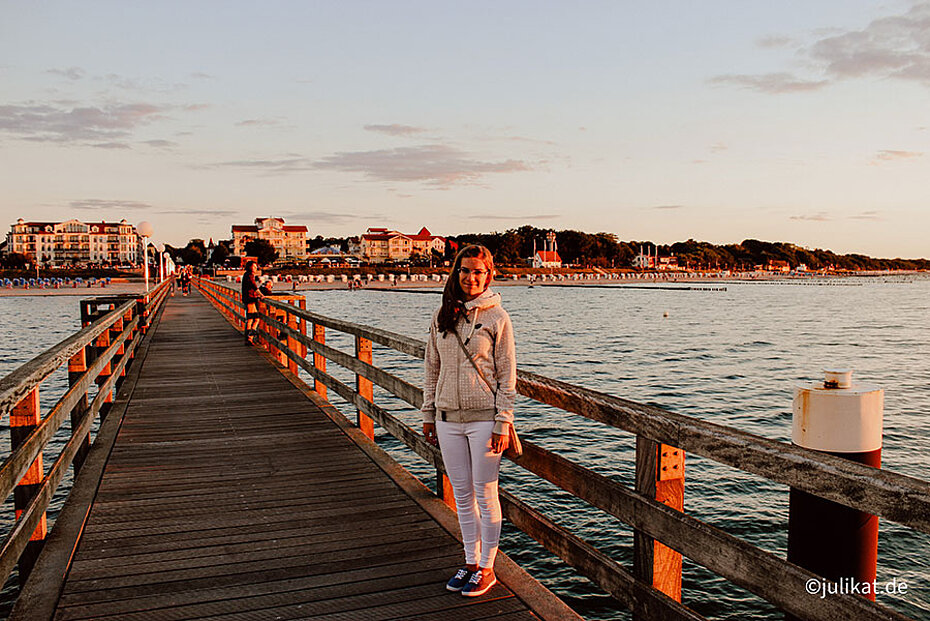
(230, 492)
(221, 485)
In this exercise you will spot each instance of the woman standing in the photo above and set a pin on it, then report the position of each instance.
(250, 295)
(468, 405)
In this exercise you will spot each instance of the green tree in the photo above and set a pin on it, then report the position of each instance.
(262, 250)
(219, 255)
(16, 260)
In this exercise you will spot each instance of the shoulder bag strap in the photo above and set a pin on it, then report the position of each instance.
(472, 361)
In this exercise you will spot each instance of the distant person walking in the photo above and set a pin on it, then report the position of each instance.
(185, 281)
(468, 397)
(250, 296)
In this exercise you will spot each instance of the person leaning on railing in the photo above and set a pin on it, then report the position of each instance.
(250, 296)
(468, 406)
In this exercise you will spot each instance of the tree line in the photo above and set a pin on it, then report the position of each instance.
(604, 250)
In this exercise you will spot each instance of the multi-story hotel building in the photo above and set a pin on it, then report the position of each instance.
(73, 241)
(289, 241)
(380, 245)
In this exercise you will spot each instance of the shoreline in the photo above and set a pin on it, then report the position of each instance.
(646, 281)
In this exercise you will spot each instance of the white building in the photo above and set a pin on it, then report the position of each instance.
(73, 241)
(290, 241)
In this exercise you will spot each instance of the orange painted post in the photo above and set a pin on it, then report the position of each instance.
(293, 322)
(660, 475)
(127, 318)
(102, 343)
(24, 418)
(445, 490)
(319, 362)
(302, 302)
(77, 366)
(115, 330)
(364, 386)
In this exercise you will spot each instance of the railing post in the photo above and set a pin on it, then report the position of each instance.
(102, 343)
(115, 330)
(364, 387)
(660, 475)
(293, 322)
(444, 490)
(23, 420)
(319, 361)
(127, 318)
(77, 366)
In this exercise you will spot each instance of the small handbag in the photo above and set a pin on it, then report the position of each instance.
(514, 446)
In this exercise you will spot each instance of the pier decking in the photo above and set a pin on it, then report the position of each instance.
(230, 492)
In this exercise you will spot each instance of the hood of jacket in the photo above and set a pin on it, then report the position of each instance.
(485, 300)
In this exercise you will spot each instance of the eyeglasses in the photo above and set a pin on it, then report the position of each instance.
(478, 273)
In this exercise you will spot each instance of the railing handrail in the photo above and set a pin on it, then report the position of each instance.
(744, 564)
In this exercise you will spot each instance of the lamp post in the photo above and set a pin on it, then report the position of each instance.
(145, 230)
(160, 248)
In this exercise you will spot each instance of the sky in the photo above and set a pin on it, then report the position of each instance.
(797, 121)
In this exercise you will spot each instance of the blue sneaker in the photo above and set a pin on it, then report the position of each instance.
(479, 583)
(459, 580)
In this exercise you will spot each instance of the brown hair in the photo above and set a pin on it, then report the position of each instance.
(453, 298)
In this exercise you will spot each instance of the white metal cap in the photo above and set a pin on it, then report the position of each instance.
(837, 416)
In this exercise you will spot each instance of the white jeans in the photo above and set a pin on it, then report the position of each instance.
(472, 470)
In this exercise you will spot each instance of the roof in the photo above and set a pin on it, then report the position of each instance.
(295, 228)
(384, 236)
(548, 256)
(244, 228)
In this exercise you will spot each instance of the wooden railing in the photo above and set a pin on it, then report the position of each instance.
(100, 354)
(652, 589)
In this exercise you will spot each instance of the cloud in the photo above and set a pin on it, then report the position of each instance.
(867, 215)
(718, 147)
(543, 216)
(56, 123)
(436, 164)
(775, 41)
(286, 165)
(328, 216)
(111, 145)
(221, 213)
(896, 47)
(667, 207)
(815, 217)
(160, 144)
(395, 130)
(258, 123)
(72, 73)
(199, 75)
(772, 83)
(94, 204)
(892, 156)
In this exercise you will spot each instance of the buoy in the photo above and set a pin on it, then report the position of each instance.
(665, 314)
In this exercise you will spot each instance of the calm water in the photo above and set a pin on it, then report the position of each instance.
(731, 357)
